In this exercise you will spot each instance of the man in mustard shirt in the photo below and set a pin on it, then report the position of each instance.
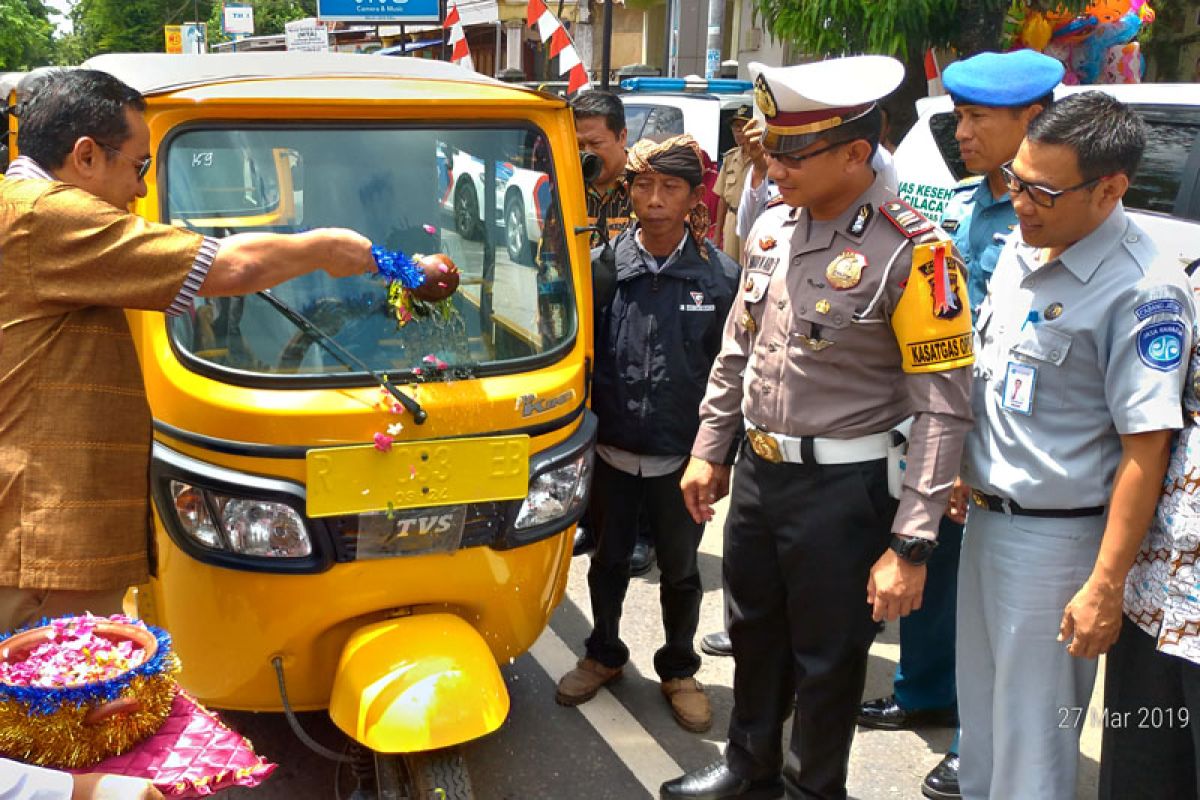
(75, 426)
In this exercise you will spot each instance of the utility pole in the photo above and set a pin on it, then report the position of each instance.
(606, 46)
(668, 36)
(712, 55)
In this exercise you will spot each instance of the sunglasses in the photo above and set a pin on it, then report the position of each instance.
(142, 164)
(792, 162)
(1043, 196)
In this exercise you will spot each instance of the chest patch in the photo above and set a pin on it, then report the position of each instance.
(697, 303)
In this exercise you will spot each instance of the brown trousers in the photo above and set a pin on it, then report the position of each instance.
(22, 607)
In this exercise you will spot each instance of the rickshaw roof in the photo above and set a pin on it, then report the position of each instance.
(162, 73)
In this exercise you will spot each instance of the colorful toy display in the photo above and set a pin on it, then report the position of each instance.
(1097, 46)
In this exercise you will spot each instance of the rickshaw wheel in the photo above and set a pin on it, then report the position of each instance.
(432, 775)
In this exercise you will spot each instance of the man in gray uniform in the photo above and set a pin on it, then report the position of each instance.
(1082, 345)
(851, 318)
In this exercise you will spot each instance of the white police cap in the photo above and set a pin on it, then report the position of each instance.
(803, 103)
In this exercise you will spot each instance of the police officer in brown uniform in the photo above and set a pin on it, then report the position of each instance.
(851, 333)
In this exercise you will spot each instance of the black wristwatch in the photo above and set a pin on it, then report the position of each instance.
(913, 549)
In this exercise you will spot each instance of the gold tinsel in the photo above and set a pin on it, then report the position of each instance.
(62, 740)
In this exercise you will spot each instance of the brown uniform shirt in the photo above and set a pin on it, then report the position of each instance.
(730, 182)
(851, 383)
(75, 427)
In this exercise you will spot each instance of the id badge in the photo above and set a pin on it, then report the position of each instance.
(1019, 383)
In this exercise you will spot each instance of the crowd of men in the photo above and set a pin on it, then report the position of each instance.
(876, 377)
(871, 374)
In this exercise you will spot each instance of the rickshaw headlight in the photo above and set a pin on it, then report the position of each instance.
(556, 493)
(194, 517)
(264, 528)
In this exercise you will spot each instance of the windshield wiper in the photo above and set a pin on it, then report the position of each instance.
(343, 355)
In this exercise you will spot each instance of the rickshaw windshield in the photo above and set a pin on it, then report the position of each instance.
(486, 197)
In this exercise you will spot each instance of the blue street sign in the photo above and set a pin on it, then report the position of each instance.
(379, 10)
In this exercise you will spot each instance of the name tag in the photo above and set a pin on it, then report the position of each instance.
(1018, 387)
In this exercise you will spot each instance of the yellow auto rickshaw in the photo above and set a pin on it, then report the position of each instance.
(300, 561)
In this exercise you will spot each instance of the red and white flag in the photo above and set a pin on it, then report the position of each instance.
(459, 52)
(551, 30)
(933, 74)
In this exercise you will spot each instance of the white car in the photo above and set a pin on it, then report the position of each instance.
(521, 195)
(705, 115)
(1164, 196)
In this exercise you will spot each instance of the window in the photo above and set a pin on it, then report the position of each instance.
(1170, 138)
(494, 210)
(655, 122)
(1171, 135)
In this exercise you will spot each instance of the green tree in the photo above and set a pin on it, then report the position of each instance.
(901, 28)
(25, 35)
(1167, 38)
(130, 26)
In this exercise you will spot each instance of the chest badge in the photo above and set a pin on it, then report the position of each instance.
(748, 322)
(822, 306)
(845, 271)
(767, 243)
(1053, 311)
(861, 218)
(814, 344)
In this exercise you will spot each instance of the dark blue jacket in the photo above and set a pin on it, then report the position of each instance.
(656, 341)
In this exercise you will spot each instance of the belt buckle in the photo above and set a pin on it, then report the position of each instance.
(764, 446)
(977, 498)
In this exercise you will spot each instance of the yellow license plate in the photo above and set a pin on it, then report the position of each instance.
(360, 479)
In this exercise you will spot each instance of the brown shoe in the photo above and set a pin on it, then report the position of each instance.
(689, 704)
(581, 684)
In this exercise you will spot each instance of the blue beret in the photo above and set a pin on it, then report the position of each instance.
(1003, 79)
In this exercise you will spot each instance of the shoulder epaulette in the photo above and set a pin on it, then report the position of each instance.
(775, 201)
(907, 219)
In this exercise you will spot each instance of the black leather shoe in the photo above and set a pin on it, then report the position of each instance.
(717, 782)
(584, 541)
(942, 782)
(643, 557)
(885, 713)
(717, 644)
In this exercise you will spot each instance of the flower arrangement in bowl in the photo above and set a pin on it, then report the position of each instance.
(76, 690)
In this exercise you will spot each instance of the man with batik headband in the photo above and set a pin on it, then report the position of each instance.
(850, 337)
(656, 338)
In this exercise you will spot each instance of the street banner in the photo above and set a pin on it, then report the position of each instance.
(195, 38)
(307, 35)
(238, 19)
(376, 11)
(174, 38)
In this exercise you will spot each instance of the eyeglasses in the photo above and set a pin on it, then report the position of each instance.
(142, 164)
(792, 162)
(1043, 196)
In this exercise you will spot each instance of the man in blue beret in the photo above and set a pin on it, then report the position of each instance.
(995, 96)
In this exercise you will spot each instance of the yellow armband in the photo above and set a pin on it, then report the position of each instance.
(932, 322)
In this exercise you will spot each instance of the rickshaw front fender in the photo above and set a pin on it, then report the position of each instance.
(417, 683)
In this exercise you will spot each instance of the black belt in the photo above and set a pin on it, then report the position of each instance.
(993, 503)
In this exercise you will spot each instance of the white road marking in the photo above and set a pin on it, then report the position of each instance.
(632, 743)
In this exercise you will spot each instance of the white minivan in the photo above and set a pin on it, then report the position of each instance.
(1164, 196)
